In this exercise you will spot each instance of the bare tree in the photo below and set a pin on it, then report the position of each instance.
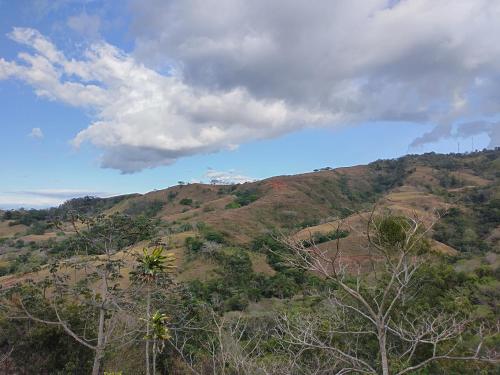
(369, 299)
(230, 345)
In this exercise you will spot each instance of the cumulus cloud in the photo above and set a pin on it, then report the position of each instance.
(146, 119)
(422, 61)
(235, 71)
(226, 177)
(36, 133)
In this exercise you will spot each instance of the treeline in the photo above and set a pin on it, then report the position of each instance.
(88, 205)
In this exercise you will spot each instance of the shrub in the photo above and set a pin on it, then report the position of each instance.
(193, 244)
(245, 197)
(213, 235)
(237, 302)
(146, 208)
(186, 201)
(171, 196)
(232, 205)
(38, 228)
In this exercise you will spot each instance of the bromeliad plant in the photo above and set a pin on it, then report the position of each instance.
(159, 334)
(150, 268)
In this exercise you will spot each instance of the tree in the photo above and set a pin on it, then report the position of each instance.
(91, 278)
(150, 268)
(379, 304)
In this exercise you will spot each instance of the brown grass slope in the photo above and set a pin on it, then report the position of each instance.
(315, 202)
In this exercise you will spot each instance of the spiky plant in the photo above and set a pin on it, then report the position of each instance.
(159, 334)
(150, 266)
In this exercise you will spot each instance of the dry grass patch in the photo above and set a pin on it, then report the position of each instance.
(9, 231)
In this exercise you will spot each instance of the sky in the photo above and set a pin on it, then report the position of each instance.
(112, 97)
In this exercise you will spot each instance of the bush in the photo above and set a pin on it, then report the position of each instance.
(318, 237)
(232, 205)
(193, 244)
(237, 302)
(186, 201)
(171, 196)
(212, 235)
(38, 228)
(146, 208)
(245, 197)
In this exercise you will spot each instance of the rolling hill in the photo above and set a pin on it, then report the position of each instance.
(463, 188)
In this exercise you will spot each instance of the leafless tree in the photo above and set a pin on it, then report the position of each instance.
(368, 300)
(230, 344)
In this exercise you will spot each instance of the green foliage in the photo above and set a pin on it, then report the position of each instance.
(193, 244)
(389, 173)
(44, 349)
(392, 230)
(186, 201)
(171, 195)
(150, 265)
(145, 208)
(123, 230)
(244, 198)
(23, 263)
(461, 231)
(232, 205)
(309, 222)
(159, 329)
(213, 235)
(38, 227)
(448, 180)
(235, 286)
(318, 237)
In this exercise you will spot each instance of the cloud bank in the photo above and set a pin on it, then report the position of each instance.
(42, 198)
(238, 71)
(422, 61)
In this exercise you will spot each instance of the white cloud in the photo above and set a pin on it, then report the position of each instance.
(36, 133)
(244, 70)
(145, 119)
(364, 60)
(42, 198)
(226, 177)
(11, 200)
(85, 24)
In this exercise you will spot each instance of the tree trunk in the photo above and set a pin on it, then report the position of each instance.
(154, 357)
(99, 352)
(148, 318)
(382, 338)
(97, 362)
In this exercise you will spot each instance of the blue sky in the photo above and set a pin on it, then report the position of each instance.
(143, 150)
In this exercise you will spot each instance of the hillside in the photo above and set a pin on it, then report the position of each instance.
(464, 188)
(228, 283)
